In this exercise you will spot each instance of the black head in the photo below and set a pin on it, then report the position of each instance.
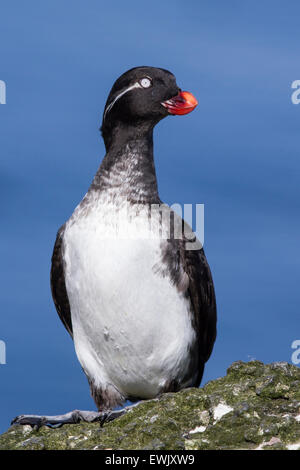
(140, 98)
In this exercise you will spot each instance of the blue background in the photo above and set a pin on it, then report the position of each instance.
(238, 153)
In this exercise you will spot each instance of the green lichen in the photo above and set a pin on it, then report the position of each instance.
(255, 406)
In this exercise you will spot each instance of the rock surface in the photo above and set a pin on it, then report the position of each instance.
(255, 406)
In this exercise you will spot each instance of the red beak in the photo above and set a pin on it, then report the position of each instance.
(183, 103)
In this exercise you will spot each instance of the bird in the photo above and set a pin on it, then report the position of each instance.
(138, 301)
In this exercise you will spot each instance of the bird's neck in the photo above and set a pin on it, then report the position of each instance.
(127, 171)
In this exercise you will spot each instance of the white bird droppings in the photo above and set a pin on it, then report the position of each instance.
(198, 429)
(221, 410)
(293, 446)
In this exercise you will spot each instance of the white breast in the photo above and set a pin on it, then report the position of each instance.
(131, 326)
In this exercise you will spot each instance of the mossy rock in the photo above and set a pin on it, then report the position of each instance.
(255, 406)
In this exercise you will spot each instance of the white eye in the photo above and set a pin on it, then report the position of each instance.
(145, 82)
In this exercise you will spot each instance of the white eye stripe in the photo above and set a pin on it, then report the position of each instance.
(143, 83)
(135, 85)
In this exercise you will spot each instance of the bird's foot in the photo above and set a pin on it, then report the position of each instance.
(73, 417)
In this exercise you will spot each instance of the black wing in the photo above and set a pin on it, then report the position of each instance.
(201, 292)
(202, 296)
(58, 286)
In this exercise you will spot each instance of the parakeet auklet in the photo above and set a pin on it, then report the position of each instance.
(138, 301)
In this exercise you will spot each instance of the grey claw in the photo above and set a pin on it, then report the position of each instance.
(34, 422)
(72, 417)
